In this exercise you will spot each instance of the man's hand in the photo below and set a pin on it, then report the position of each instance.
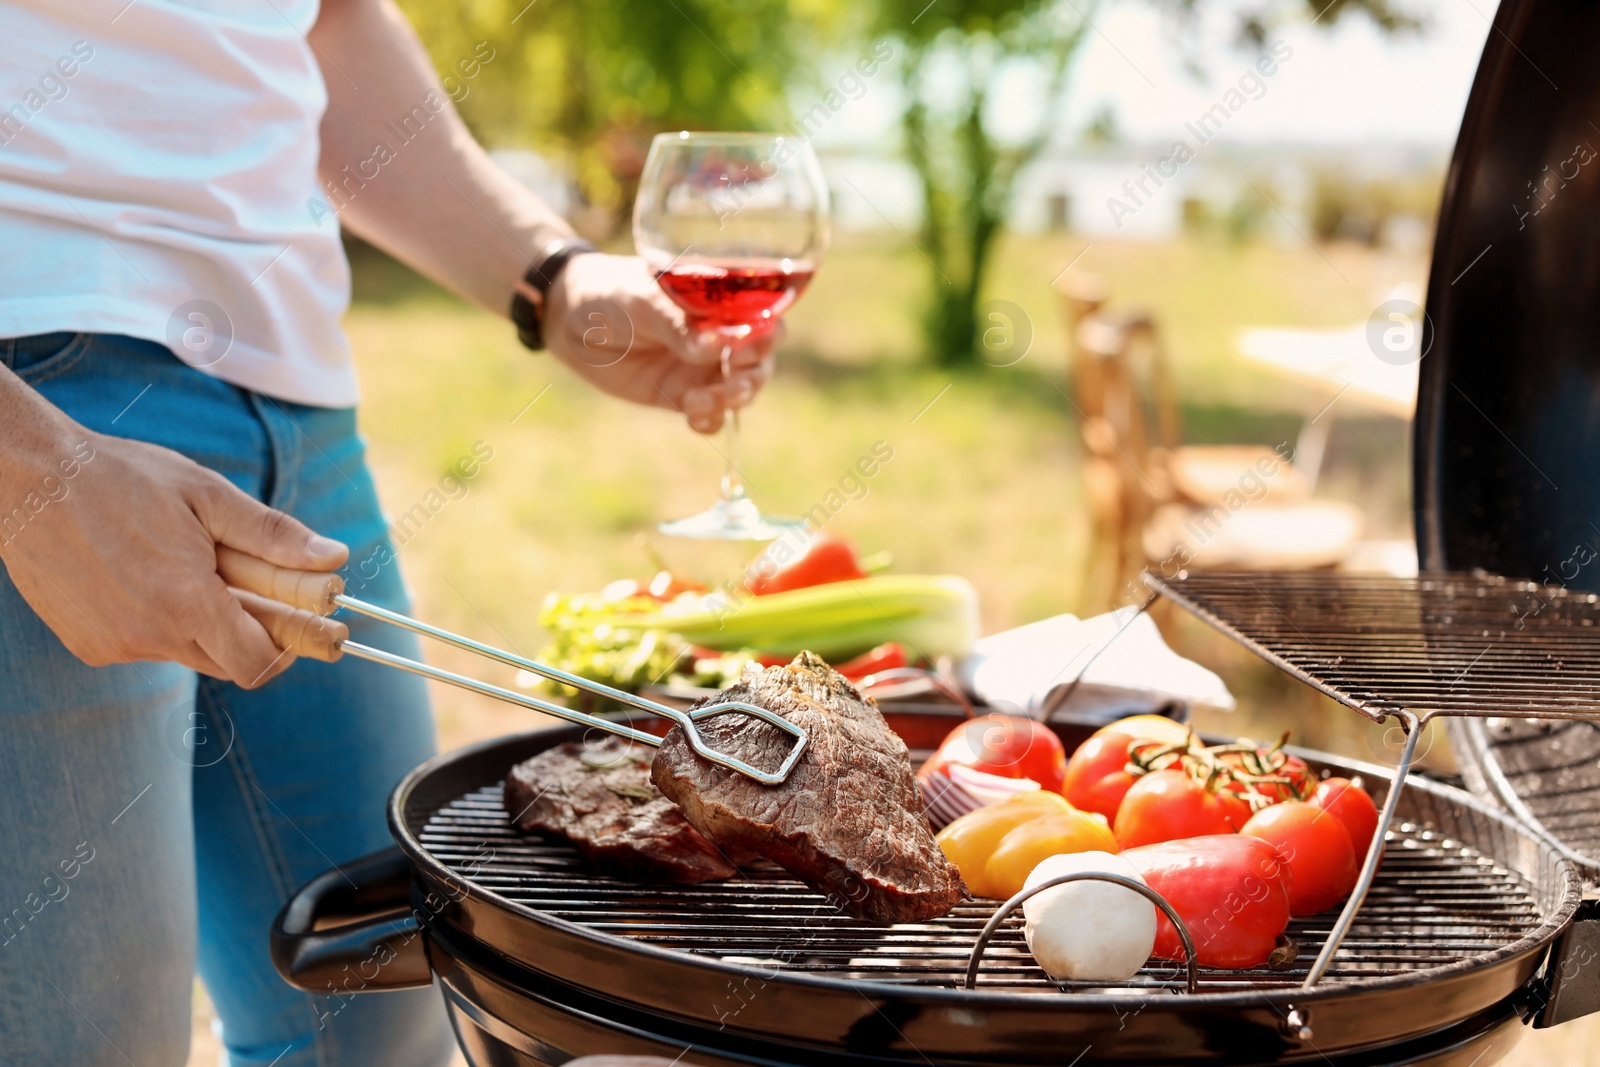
(122, 565)
(609, 320)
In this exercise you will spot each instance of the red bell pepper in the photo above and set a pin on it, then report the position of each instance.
(827, 557)
(1231, 891)
(886, 657)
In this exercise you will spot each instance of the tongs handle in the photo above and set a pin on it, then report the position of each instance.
(686, 721)
(323, 593)
(289, 604)
(323, 639)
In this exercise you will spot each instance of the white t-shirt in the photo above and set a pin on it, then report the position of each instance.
(158, 178)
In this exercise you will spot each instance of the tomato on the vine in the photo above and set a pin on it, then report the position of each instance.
(1315, 847)
(1167, 805)
(1273, 763)
(1097, 777)
(1346, 801)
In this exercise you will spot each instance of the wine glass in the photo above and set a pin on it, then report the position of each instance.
(733, 225)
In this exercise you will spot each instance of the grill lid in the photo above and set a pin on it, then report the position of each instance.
(1507, 423)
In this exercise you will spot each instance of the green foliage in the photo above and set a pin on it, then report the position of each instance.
(1256, 22)
(589, 83)
(951, 51)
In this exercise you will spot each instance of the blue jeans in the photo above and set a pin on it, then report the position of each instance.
(152, 820)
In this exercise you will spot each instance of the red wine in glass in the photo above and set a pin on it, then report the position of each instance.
(737, 297)
(733, 226)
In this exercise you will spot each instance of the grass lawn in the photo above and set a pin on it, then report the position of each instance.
(983, 481)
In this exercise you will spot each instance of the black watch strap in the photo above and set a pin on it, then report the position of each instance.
(528, 302)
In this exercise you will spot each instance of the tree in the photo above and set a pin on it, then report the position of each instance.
(589, 82)
(951, 50)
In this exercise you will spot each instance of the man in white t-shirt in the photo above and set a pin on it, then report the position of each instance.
(175, 386)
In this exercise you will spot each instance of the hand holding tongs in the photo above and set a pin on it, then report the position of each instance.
(323, 639)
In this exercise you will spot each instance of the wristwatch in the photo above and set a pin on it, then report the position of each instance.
(527, 302)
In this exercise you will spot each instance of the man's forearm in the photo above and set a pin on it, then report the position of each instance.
(405, 172)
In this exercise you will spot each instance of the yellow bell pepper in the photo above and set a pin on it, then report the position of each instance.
(1032, 842)
(972, 839)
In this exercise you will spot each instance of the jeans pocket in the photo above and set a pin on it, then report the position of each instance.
(41, 355)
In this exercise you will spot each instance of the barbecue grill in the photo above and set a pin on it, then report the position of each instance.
(540, 958)
(1475, 924)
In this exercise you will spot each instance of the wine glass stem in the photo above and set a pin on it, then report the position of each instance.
(732, 482)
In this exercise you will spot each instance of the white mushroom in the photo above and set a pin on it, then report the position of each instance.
(1090, 930)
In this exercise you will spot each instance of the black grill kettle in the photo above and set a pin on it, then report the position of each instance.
(1506, 443)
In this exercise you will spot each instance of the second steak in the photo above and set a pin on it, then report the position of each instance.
(600, 798)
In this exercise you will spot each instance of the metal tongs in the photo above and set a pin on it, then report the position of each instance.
(320, 638)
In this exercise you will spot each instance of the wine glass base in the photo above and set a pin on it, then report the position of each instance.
(735, 519)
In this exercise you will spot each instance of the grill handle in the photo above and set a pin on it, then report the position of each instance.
(372, 954)
(1571, 986)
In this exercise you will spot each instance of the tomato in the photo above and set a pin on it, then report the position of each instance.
(1316, 848)
(1096, 777)
(1349, 803)
(1036, 840)
(972, 839)
(826, 557)
(1007, 745)
(1231, 892)
(1166, 805)
(885, 657)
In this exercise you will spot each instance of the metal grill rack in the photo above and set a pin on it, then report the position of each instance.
(1447, 897)
(1449, 644)
(1411, 648)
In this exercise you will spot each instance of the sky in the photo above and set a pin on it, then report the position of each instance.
(1348, 84)
(1345, 85)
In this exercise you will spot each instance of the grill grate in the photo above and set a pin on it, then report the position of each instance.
(1448, 644)
(1436, 903)
(1549, 773)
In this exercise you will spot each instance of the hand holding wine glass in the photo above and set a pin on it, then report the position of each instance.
(734, 226)
(613, 325)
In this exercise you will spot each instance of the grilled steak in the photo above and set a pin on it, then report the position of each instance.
(600, 798)
(848, 822)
